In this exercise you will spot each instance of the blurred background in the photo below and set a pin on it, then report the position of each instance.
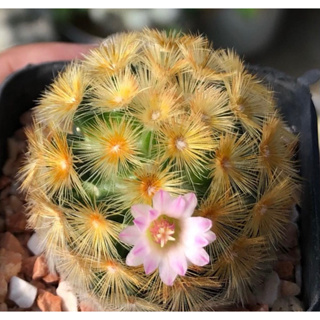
(286, 39)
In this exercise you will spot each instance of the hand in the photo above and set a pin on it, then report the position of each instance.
(18, 57)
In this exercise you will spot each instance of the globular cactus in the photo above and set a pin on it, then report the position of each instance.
(155, 140)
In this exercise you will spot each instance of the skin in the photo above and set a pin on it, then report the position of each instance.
(17, 57)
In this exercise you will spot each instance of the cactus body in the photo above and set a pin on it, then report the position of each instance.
(149, 111)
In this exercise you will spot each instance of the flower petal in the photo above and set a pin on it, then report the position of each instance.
(160, 200)
(176, 207)
(192, 202)
(198, 256)
(178, 261)
(200, 241)
(154, 214)
(151, 263)
(137, 254)
(166, 273)
(141, 223)
(210, 236)
(198, 224)
(130, 235)
(139, 210)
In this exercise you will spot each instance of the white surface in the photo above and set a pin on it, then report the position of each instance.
(22, 292)
(69, 300)
(34, 245)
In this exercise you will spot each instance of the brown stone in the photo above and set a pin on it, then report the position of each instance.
(48, 302)
(288, 304)
(3, 306)
(285, 270)
(2, 225)
(288, 288)
(20, 134)
(51, 278)
(9, 242)
(38, 284)
(10, 263)
(9, 167)
(259, 307)
(26, 118)
(27, 266)
(24, 237)
(293, 254)
(292, 236)
(40, 268)
(85, 307)
(16, 222)
(15, 203)
(4, 195)
(4, 182)
(3, 288)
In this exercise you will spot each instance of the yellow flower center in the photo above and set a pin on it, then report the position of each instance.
(162, 230)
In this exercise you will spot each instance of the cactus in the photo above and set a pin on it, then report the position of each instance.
(145, 120)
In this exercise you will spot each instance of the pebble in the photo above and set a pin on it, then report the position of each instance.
(27, 266)
(15, 203)
(2, 224)
(22, 292)
(3, 288)
(285, 270)
(10, 263)
(287, 304)
(40, 268)
(268, 292)
(3, 306)
(9, 242)
(34, 244)
(289, 288)
(260, 307)
(4, 182)
(17, 222)
(69, 300)
(292, 236)
(86, 307)
(47, 301)
(51, 278)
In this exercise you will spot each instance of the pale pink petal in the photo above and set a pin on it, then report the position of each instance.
(160, 200)
(178, 261)
(200, 241)
(137, 254)
(192, 202)
(154, 214)
(140, 210)
(166, 273)
(210, 236)
(141, 223)
(151, 263)
(130, 235)
(133, 260)
(176, 208)
(198, 224)
(198, 256)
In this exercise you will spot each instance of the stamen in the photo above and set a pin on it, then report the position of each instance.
(162, 231)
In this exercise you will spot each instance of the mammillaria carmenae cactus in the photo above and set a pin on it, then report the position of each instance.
(159, 142)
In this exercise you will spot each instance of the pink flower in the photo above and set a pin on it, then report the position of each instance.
(165, 236)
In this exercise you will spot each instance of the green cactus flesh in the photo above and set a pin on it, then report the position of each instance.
(149, 111)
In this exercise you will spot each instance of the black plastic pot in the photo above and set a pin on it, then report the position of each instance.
(20, 91)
